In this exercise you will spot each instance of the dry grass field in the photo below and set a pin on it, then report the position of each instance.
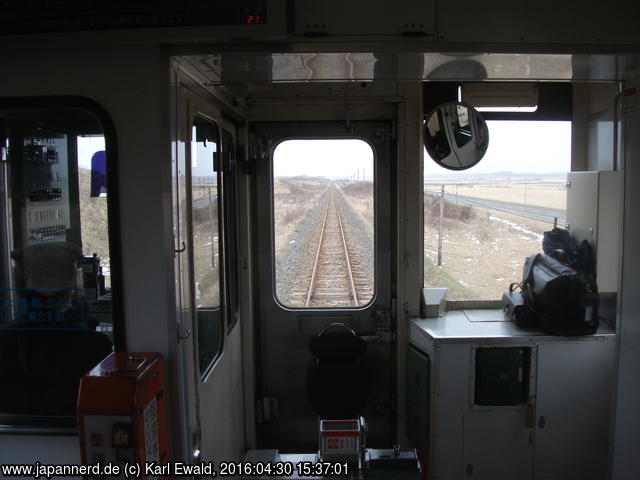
(293, 198)
(549, 193)
(94, 223)
(359, 195)
(483, 251)
(203, 187)
(206, 257)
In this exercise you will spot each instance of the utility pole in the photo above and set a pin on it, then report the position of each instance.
(440, 225)
(211, 219)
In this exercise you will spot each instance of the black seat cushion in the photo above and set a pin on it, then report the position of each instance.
(338, 391)
(338, 384)
(338, 346)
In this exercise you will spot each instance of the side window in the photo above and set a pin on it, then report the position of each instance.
(93, 192)
(231, 230)
(55, 276)
(323, 204)
(480, 224)
(206, 242)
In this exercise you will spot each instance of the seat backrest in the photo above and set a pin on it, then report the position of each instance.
(42, 368)
(48, 266)
(338, 383)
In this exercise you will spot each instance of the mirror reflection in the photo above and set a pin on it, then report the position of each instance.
(456, 136)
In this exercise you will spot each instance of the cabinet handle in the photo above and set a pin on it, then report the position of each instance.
(542, 422)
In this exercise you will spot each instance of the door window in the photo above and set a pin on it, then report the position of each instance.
(323, 203)
(206, 242)
(231, 229)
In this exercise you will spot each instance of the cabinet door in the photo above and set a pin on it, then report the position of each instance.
(418, 391)
(497, 445)
(573, 409)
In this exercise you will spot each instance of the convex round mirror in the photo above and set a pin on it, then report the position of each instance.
(456, 136)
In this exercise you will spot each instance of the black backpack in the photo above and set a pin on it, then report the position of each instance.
(565, 301)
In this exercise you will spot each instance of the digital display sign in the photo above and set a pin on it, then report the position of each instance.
(42, 16)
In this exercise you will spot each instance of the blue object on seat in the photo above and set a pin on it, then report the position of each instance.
(98, 174)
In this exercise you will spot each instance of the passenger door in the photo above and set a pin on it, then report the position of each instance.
(201, 285)
(302, 183)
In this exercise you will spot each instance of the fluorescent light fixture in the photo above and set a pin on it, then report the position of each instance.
(508, 109)
(500, 96)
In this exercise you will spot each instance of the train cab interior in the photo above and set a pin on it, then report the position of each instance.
(309, 214)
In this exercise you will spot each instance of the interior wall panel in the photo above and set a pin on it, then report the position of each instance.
(544, 21)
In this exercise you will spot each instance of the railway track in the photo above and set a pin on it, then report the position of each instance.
(542, 214)
(336, 280)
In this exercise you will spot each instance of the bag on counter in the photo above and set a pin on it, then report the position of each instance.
(565, 301)
(560, 244)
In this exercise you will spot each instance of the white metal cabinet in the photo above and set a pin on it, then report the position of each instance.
(563, 431)
(497, 445)
(573, 405)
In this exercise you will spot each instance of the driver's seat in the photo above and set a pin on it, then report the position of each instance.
(338, 384)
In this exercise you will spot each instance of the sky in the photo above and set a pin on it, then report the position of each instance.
(323, 158)
(515, 146)
(519, 147)
(202, 156)
(87, 146)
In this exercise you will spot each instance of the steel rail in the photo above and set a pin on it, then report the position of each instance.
(314, 273)
(315, 262)
(346, 256)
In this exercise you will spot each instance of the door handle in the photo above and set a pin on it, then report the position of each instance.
(183, 334)
(542, 422)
